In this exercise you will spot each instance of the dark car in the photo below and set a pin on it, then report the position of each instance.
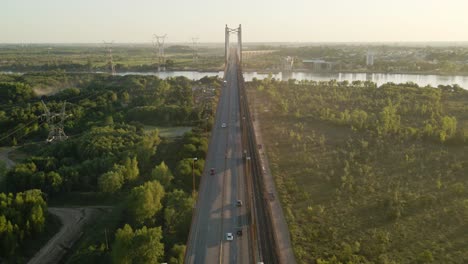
(212, 172)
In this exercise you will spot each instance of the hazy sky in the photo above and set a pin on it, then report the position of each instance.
(92, 21)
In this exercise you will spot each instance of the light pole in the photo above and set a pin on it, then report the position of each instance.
(193, 176)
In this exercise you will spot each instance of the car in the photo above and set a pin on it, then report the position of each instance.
(212, 171)
(229, 237)
(239, 232)
(223, 125)
(239, 203)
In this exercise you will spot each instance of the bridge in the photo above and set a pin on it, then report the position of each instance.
(234, 195)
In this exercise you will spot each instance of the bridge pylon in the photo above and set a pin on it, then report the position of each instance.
(227, 32)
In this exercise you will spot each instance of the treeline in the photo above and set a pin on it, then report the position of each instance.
(403, 110)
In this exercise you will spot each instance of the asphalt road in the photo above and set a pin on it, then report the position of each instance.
(216, 213)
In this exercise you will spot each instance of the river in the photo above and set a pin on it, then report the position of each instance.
(379, 78)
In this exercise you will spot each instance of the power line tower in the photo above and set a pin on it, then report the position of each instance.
(108, 47)
(158, 41)
(55, 122)
(195, 49)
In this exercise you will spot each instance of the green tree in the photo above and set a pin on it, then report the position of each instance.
(178, 215)
(53, 181)
(111, 181)
(144, 201)
(162, 174)
(131, 171)
(139, 246)
(177, 254)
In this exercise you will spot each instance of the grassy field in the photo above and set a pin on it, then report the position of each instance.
(169, 132)
(355, 194)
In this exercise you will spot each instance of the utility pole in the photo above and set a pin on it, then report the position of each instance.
(108, 46)
(56, 128)
(158, 41)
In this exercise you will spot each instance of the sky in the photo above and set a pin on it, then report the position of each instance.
(135, 21)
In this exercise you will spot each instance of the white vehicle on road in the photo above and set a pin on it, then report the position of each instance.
(229, 237)
(223, 125)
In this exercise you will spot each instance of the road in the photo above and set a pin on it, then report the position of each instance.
(73, 220)
(216, 212)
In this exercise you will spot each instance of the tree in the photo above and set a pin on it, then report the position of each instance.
(144, 201)
(22, 216)
(131, 171)
(177, 215)
(177, 254)
(162, 174)
(111, 181)
(184, 172)
(53, 181)
(139, 246)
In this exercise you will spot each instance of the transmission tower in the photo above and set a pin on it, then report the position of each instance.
(195, 49)
(108, 47)
(158, 41)
(55, 122)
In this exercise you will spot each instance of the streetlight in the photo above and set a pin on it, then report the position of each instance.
(193, 175)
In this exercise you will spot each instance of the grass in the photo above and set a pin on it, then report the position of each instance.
(169, 132)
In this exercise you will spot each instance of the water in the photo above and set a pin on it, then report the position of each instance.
(379, 78)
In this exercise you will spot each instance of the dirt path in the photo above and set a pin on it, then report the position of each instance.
(4, 152)
(73, 221)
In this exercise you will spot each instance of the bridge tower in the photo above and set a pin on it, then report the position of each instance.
(227, 32)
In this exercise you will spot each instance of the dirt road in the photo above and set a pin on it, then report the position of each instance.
(73, 221)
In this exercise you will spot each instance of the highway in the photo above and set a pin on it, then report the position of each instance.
(216, 211)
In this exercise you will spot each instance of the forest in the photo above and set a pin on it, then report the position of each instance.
(111, 157)
(368, 174)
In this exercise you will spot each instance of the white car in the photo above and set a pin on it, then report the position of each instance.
(223, 125)
(229, 237)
